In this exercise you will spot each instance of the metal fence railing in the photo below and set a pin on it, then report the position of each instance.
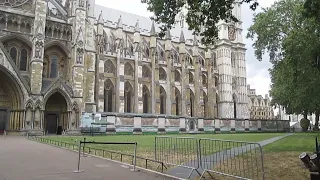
(146, 163)
(178, 151)
(213, 157)
(237, 159)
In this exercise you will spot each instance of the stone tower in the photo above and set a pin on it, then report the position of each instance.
(232, 69)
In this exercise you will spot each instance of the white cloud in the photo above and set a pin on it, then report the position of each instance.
(131, 6)
(257, 72)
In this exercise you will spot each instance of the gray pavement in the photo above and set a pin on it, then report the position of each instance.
(230, 153)
(28, 160)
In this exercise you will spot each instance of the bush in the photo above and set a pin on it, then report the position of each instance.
(304, 123)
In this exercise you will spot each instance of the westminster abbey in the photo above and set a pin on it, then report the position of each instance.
(61, 58)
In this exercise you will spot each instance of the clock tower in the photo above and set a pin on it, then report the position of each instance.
(230, 50)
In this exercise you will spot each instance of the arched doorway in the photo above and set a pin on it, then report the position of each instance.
(56, 115)
(11, 99)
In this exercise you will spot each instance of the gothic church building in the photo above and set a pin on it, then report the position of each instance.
(60, 58)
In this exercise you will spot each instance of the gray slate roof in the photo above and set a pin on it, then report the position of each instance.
(111, 17)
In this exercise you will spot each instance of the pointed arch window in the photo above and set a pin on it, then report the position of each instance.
(162, 100)
(162, 74)
(13, 54)
(146, 96)
(53, 66)
(23, 60)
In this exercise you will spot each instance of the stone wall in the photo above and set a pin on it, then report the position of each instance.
(144, 123)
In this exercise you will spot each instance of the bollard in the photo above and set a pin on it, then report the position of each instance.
(84, 145)
(79, 158)
(134, 158)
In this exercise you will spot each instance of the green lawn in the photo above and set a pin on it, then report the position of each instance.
(146, 142)
(299, 142)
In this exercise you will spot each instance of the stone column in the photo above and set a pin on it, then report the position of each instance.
(259, 126)
(217, 125)
(155, 85)
(38, 46)
(170, 78)
(137, 125)
(184, 75)
(100, 83)
(182, 128)
(111, 129)
(138, 86)
(120, 87)
(200, 125)
(211, 93)
(161, 125)
(233, 125)
(242, 79)
(225, 107)
(198, 101)
(78, 52)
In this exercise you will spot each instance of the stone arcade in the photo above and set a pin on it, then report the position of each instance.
(60, 58)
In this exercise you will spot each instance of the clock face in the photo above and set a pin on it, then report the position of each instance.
(231, 33)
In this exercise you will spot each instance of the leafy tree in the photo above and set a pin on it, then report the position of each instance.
(201, 14)
(293, 45)
(312, 8)
(272, 25)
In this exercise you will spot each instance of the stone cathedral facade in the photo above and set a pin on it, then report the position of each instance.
(60, 58)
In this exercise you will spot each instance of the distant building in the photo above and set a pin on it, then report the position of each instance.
(259, 107)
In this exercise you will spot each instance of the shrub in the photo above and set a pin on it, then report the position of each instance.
(304, 123)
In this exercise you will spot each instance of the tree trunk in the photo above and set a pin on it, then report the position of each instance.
(316, 124)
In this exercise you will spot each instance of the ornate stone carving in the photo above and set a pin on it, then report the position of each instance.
(146, 73)
(162, 74)
(81, 3)
(109, 67)
(38, 49)
(80, 52)
(21, 4)
(128, 70)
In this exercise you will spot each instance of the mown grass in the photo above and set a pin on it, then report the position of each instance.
(281, 159)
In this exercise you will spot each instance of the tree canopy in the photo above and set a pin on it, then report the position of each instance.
(201, 15)
(293, 44)
(312, 8)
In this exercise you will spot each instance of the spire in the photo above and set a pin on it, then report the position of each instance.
(195, 40)
(100, 19)
(153, 29)
(119, 25)
(168, 35)
(137, 27)
(182, 39)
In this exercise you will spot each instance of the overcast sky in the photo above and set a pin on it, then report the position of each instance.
(257, 72)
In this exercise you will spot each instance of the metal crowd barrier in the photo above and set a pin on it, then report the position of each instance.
(106, 143)
(241, 160)
(113, 155)
(178, 151)
(237, 159)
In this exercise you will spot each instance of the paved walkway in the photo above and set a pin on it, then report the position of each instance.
(184, 172)
(28, 160)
